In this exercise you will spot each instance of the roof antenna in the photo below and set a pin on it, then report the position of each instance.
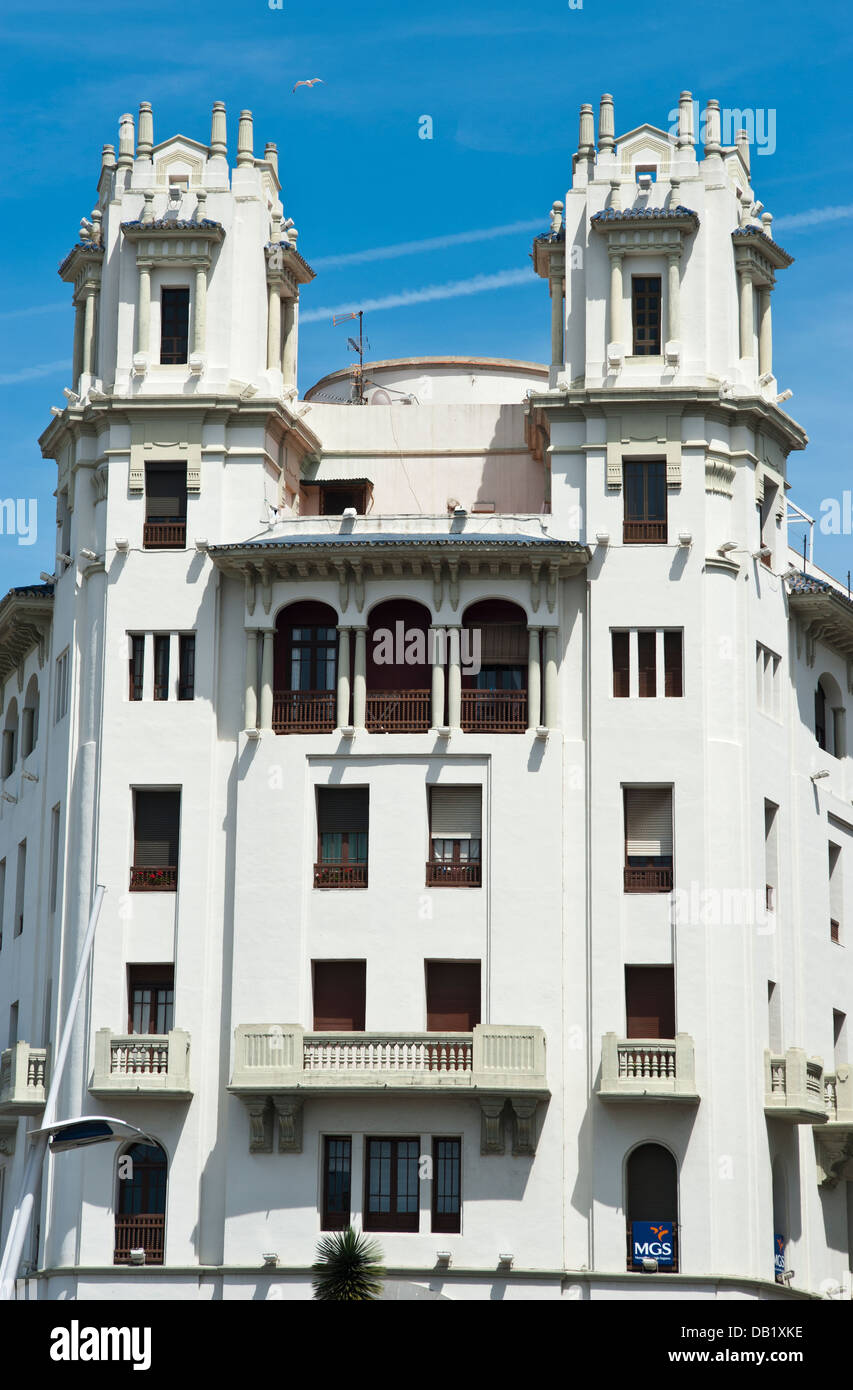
(358, 397)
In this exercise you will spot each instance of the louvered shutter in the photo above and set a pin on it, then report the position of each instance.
(648, 822)
(650, 1001)
(455, 813)
(453, 996)
(502, 644)
(339, 994)
(165, 492)
(341, 809)
(156, 824)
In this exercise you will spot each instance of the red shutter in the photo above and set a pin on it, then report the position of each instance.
(339, 995)
(621, 665)
(650, 1001)
(453, 996)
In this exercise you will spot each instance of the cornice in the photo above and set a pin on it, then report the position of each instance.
(25, 618)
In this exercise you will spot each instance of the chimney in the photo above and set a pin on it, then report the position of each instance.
(218, 143)
(245, 154)
(125, 142)
(145, 141)
(606, 128)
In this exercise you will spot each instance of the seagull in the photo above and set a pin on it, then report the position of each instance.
(309, 82)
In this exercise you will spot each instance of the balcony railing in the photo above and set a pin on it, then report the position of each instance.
(140, 1233)
(650, 532)
(648, 1068)
(23, 1079)
(794, 1087)
(650, 880)
(340, 875)
(441, 874)
(148, 879)
(164, 535)
(303, 711)
(142, 1064)
(494, 711)
(397, 711)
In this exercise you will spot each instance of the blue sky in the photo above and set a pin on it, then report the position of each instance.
(502, 84)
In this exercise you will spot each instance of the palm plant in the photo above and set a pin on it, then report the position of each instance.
(348, 1268)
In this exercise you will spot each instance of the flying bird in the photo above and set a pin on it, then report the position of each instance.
(309, 82)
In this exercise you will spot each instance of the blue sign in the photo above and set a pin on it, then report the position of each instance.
(653, 1240)
(778, 1255)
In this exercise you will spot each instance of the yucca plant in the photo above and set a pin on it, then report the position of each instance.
(348, 1268)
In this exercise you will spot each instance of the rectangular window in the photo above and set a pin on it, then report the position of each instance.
(20, 887)
(186, 666)
(391, 1185)
(165, 506)
(2, 897)
(156, 829)
(137, 665)
(673, 664)
(650, 1001)
(771, 855)
(447, 1184)
(621, 664)
(646, 314)
(60, 708)
(648, 839)
(150, 998)
(644, 488)
(767, 686)
(340, 991)
(836, 893)
(161, 667)
(54, 859)
(337, 1182)
(10, 752)
(342, 823)
(455, 819)
(13, 1023)
(452, 995)
(647, 664)
(336, 500)
(174, 323)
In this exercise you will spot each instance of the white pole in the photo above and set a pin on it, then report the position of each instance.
(22, 1213)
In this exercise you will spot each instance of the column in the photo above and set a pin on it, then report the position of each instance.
(765, 331)
(89, 334)
(342, 718)
(437, 655)
(78, 344)
(454, 679)
(143, 310)
(359, 682)
(550, 678)
(746, 315)
(251, 701)
(200, 316)
(556, 285)
(673, 320)
(288, 351)
(534, 680)
(265, 720)
(273, 327)
(616, 299)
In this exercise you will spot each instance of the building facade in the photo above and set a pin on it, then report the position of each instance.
(464, 752)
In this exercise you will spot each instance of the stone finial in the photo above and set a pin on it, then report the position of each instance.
(685, 120)
(218, 139)
(674, 193)
(201, 205)
(767, 224)
(245, 139)
(745, 209)
(742, 144)
(145, 139)
(148, 205)
(606, 127)
(556, 217)
(271, 155)
(276, 219)
(91, 231)
(125, 141)
(292, 235)
(108, 156)
(586, 135)
(614, 198)
(712, 128)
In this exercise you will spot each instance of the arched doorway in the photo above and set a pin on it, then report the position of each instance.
(651, 1207)
(141, 1203)
(305, 669)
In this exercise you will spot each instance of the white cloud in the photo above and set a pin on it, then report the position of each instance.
(813, 216)
(452, 289)
(29, 373)
(435, 243)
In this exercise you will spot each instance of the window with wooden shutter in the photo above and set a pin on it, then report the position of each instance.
(453, 996)
(648, 839)
(151, 998)
(342, 824)
(156, 829)
(174, 323)
(186, 666)
(340, 988)
(646, 314)
(337, 1182)
(165, 506)
(673, 663)
(621, 665)
(162, 644)
(455, 836)
(650, 1001)
(647, 664)
(137, 665)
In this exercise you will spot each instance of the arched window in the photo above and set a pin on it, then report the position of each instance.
(830, 716)
(651, 1207)
(10, 741)
(398, 675)
(30, 719)
(495, 641)
(141, 1203)
(305, 668)
(820, 716)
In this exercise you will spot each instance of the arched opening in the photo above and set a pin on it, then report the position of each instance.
(651, 1207)
(495, 649)
(30, 719)
(398, 670)
(820, 709)
(781, 1222)
(830, 717)
(141, 1204)
(305, 669)
(9, 756)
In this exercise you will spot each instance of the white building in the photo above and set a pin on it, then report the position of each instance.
(496, 954)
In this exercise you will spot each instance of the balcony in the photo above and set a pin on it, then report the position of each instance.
(794, 1087)
(139, 1233)
(164, 535)
(648, 1069)
(834, 1140)
(652, 880)
(143, 1065)
(644, 533)
(494, 711)
(441, 874)
(339, 875)
(397, 711)
(23, 1079)
(303, 711)
(148, 879)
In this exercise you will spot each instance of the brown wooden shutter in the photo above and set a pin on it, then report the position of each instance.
(339, 995)
(453, 996)
(650, 1001)
(502, 644)
(341, 809)
(157, 818)
(647, 664)
(456, 813)
(648, 822)
(621, 665)
(673, 663)
(165, 491)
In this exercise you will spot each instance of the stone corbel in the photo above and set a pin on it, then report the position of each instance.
(834, 1153)
(535, 591)
(266, 587)
(523, 1128)
(250, 591)
(19, 676)
(358, 582)
(260, 1125)
(850, 675)
(437, 584)
(194, 475)
(492, 1125)
(453, 572)
(136, 480)
(343, 584)
(288, 1110)
(7, 1143)
(673, 451)
(98, 479)
(614, 452)
(551, 592)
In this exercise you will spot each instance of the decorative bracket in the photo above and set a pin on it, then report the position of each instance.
(289, 1112)
(491, 1125)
